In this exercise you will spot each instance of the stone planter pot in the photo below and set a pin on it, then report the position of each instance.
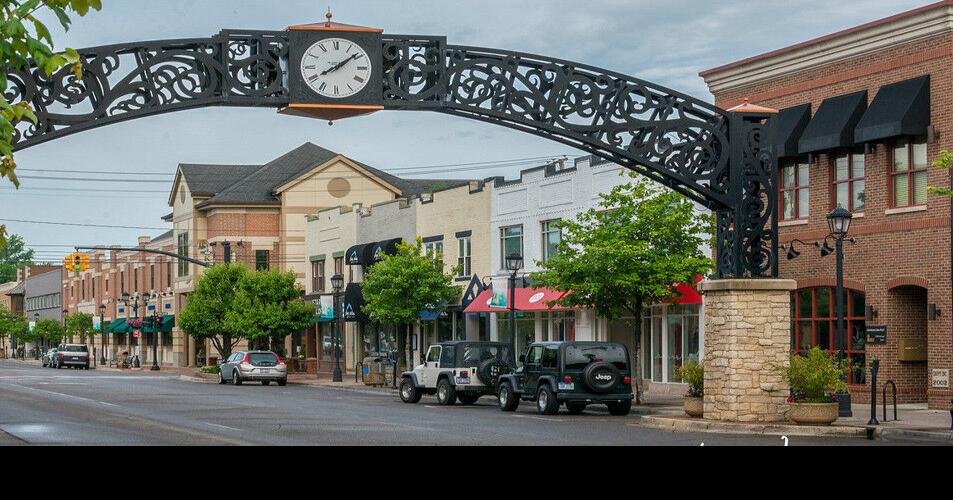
(813, 413)
(694, 407)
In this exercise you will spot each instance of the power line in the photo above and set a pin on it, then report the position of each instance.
(82, 225)
(89, 179)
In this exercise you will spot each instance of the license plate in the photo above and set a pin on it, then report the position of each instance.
(566, 387)
(74, 358)
(265, 372)
(461, 380)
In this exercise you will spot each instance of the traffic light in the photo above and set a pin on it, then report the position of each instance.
(68, 263)
(84, 262)
(77, 262)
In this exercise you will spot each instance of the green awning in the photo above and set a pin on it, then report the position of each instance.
(117, 326)
(165, 326)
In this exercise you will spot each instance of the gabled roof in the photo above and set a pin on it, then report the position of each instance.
(207, 180)
(164, 236)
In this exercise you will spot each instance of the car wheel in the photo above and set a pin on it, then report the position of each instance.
(282, 382)
(468, 399)
(508, 399)
(446, 394)
(408, 391)
(86, 367)
(236, 378)
(575, 408)
(620, 409)
(546, 402)
(266, 382)
(221, 378)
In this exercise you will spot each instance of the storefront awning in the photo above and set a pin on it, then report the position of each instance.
(355, 256)
(386, 247)
(688, 294)
(833, 125)
(787, 128)
(354, 303)
(117, 326)
(898, 109)
(527, 300)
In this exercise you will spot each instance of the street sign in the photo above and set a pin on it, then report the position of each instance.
(876, 334)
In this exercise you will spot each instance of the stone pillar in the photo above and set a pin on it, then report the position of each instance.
(747, 338)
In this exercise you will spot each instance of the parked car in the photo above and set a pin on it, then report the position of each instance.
(246, 366)
(576, 374)
(72, 356)
(48, 357)
(461, 370)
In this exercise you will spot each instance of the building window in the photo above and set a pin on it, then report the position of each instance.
(106, 287)
(849, 181)
(464, 257)
(122, 282)
(317, 276)
(93, 288)
(795, 193)
(552, 235)
(183, 250)
(908, 177)
(434, 250)
(814, 323)
(152, 276)
(511, 241)
(670, 336)
(262, 258)
(168, 274)
(135, 279)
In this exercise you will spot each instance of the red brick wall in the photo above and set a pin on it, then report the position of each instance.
(237, 225)
(911, 247)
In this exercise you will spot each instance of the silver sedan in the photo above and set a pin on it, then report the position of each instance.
(260, 366)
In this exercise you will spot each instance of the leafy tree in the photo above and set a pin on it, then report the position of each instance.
(6, 326)
(267, 308)
(400, 286)
(79, 325)
(24, 37)
(48, 330)
(20, 331)
(13, 255)
(945, 160)
(628, 253)
(204, 315)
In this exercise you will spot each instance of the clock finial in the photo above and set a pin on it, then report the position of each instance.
(329, 16)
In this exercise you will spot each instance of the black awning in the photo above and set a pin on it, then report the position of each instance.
(901, 108)
(833, 125)
(355, 256)
(354, 303)
(374, 251)
(787, 128)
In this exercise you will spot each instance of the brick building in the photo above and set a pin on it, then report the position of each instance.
(863, 114)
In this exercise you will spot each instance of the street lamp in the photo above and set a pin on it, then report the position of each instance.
(36, 342)
(839, 223)
(102, 334)
(514, 262)
(337, 281)
(156, 320)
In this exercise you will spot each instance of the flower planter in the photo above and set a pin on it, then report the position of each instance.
(813, 413)
(694, 407)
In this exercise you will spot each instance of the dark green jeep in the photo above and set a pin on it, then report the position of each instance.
(574, 373)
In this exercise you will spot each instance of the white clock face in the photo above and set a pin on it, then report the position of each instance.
(336, 68)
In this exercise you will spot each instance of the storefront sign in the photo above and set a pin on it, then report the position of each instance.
(876, 334)
(498, 300)
(327, 307)
(941, 378)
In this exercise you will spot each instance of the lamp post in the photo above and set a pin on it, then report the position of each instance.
(838, 221)
(36, 342)
(102, 334)
(514, 262)
(156, 320)
(337, 281)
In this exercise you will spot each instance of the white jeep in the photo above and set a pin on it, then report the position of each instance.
(463, 370)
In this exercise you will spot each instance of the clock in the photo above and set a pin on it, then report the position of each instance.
(334, 70)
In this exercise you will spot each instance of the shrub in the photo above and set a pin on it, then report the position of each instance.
(693, 374)
(815, 377)
(210, 369)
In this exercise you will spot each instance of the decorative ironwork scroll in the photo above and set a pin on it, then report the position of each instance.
(121, 82)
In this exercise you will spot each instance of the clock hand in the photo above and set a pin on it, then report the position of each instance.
(338, 65)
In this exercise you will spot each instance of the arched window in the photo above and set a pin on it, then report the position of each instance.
(814, 323)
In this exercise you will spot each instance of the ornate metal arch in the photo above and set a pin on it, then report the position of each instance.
(715, 157)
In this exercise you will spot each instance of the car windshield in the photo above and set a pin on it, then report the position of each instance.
(580, 355)
(474, 354)
(74, 348)
(262, 357)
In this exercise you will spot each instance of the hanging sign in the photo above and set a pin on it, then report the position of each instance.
(32, 324)
(97, 323)
(498, 300)
(326, 306)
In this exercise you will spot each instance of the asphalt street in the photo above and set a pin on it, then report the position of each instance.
(72, 407)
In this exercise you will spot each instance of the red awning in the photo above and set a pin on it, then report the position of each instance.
(527, 300)
(688, 294)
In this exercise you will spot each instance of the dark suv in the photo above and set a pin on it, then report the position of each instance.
(574, 373)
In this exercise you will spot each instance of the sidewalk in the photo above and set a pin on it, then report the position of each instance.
(915, 422)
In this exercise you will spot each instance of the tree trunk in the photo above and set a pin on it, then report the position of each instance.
(637, 362)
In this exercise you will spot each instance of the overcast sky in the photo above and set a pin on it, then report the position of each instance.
(667, 42)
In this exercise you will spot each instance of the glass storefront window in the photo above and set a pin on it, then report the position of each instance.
(525, 329)
(670, 335)
(816, 325)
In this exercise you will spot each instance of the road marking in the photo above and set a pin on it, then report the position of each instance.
(223, 426)
(107, 404)
(539, 418)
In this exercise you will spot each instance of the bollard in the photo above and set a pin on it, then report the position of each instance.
(951, 414)
(874, 368)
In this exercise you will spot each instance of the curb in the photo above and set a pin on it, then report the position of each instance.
(698, 425)
(916, 435)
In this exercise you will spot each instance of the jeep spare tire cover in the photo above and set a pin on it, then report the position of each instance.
(601, 377)
(490, 370)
